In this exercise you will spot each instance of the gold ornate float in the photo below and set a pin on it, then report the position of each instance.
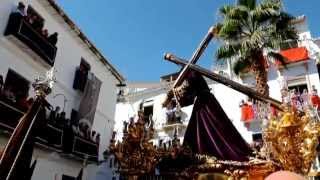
(292, 138)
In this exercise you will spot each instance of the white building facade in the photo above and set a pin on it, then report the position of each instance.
(19, 57)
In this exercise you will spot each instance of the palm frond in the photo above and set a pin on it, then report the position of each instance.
(257, 38)
(238, 13)
(240, 65)
(271, 4)
(247, 46)
(227, 51)
(251, 4)
(274, 42)
(263, 13)
(224, 10)
(284, 26)
(230, 28)
(283, 21)
(278, 57)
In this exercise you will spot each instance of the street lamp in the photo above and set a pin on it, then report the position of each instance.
(120, 95)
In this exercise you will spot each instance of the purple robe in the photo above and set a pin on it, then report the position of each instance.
(209, 130)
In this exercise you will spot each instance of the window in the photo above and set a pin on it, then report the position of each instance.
(65, 177)
(299, 88)
(85, 64)
(257, 141)
(257, 137)
(16, 87)
(81, 75)
(147, 111)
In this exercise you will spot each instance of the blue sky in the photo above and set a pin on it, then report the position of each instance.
(134, 34)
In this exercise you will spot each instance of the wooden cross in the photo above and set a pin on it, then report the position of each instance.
(196, 55)
(191, 64)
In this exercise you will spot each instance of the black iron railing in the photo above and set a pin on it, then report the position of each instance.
(57, 138)
(22, 30)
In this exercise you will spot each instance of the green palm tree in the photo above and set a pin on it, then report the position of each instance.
(250, 32)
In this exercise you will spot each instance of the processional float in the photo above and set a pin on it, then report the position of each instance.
(289, 139)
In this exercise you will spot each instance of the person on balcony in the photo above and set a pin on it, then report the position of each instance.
(170, 112)
(81, 77)
(15, 18)
(173, 112)
(53, 39)
(296, 100)
(54, 115)
(21, 9)
(8, 94)
(95, 137)
(61, 119)
(315, 99)
(285, 96)
(37, 24)
(247, 113)
(31, 18)
(84, 128)
(305, 98)
(45, 33)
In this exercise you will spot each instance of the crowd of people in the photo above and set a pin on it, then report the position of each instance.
(36, 22)
(55, 116)
(82, 129)
(299, 101)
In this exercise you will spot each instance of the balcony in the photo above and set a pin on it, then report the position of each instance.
(60, 139)
(19, 28)
(294, 55)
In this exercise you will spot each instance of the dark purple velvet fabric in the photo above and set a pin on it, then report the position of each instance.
(209, 130)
